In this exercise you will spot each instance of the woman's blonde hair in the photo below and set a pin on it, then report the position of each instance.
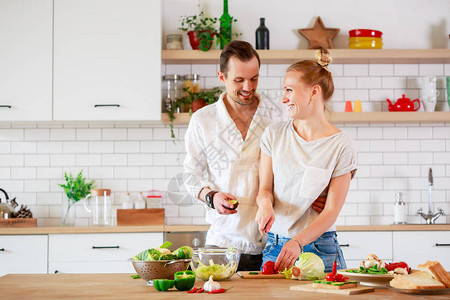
(316, 72)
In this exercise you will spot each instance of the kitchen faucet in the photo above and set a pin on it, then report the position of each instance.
(430, 218)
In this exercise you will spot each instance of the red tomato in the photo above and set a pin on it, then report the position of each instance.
(340, 278)
(330, 277)
(296, 271)
(269, 268)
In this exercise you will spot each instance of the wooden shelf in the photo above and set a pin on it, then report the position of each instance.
(348, 56)
(354, 117)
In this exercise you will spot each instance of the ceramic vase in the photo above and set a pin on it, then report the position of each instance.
(428, 93)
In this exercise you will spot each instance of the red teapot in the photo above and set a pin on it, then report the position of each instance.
(403, 104)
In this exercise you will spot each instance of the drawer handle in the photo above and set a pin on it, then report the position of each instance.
(106, 105)
(345, 245)
(105, 247)
(442, 245)
(2, 249)
(5, 106)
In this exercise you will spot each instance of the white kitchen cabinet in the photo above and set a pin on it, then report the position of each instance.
(23, 254)
(26, 60)
(107, 60)
(356, 245)
(416, 247)
(98, 253)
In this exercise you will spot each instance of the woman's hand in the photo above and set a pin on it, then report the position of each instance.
(220, 202)
(265, 216)
(288, 255)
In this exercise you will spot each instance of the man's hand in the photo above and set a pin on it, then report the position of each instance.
(319, 204)
(220, 202)
(265, 216)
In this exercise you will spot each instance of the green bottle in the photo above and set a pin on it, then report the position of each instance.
(225, 26)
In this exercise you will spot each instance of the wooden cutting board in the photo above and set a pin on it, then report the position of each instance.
(351, 291)
(260, 275)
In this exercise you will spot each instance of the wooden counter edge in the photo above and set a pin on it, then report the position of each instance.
(201, 228)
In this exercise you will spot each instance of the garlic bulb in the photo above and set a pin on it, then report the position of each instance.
(211, 285)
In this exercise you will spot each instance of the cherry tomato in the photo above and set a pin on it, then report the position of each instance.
(339, 277)
(330, 277)
(296, 271)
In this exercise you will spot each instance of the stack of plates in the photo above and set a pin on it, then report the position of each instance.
(365, 39)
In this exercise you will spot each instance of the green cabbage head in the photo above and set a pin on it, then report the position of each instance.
(311, 266)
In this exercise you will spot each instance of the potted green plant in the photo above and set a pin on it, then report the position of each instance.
(196, 100)
(202, 30)
(76, 189)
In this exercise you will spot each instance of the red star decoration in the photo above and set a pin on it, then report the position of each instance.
(319, 36)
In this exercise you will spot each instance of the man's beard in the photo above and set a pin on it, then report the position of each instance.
(243, 103)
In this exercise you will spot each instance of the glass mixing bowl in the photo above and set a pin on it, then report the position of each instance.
(221, 263)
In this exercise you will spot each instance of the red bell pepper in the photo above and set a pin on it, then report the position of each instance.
(401, 264)
(269, 268)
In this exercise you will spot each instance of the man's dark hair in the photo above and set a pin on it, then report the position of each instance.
(244, 51)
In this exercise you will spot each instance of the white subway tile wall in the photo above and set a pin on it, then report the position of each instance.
(133, 156)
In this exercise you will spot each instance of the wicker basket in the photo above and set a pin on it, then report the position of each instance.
(159, 269)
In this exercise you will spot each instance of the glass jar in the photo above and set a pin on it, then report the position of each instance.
(172, 90)
(174, 42)
(99, 207)
(192, 84)
(155, 198)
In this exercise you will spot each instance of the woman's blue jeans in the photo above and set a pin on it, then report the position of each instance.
(326, 247)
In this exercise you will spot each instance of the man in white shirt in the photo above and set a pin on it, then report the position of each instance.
(222, 161)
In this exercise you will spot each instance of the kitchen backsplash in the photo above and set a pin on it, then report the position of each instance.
(140, 156)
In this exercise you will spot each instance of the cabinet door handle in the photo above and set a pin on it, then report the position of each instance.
(442, 245)
(345, 245)
(105, 247)
(106, 105)
(2, 249)
(5, 106)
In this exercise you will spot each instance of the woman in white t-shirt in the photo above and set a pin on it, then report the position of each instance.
(300, 160)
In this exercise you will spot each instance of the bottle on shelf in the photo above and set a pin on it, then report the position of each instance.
(140, 203)
(225, 26)
(262, 35)
(400, 210)
(127, 202)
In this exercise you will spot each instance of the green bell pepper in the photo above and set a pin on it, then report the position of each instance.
(184, 280)
(163, 285)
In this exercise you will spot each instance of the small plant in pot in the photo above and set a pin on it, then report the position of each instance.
(201, 30)
(196, 100)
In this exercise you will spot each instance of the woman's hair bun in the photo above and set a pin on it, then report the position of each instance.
(323, 58)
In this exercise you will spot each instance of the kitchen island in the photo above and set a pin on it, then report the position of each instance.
(121, 286)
